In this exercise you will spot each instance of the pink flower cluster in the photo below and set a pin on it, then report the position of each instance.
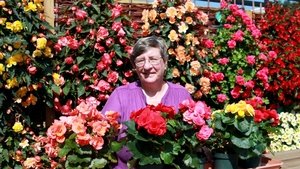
(196, 113)
(88, 124)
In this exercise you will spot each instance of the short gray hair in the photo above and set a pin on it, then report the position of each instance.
(143, 44)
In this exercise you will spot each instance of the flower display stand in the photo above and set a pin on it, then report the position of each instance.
(269, 163)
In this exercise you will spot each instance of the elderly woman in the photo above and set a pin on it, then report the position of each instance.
(149, 58)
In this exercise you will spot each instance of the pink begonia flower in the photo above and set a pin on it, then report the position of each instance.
(119, 62)
(112, 77)
(263, 74)
(116, 11)
(263, 57)
(238, 36)
(73, 43)
(230, 19)
(121, 33)
(102, 86)
(204, 133)
(51, 150)
(109, 42)
(32, 70)
(249, 85)
(231, 44)
(221, 98)
(106, 59)
(209, 43)
(116, 26)
(223, 61)
(123, 41)
(80, 14)
(235, 92)
(97, 142)
(223, 4)
(272, 54)
(240, 80)
(250, 59)
(100, 48)
(256, 33)
(217, 77)
(102, 33)
(227, 26)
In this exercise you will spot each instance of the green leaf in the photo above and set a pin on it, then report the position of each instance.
(55, 89)
(167, 157)
(79, 59)
(80, 90)
(241, 142)
(116, 146)
(67, 88)
(98, 163)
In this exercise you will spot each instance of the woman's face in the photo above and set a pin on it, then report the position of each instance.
(150, 66)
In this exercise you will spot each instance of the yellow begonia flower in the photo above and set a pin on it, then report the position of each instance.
(18, 127)
(30, 7)
(56, 79)
(16, 26)
(182, 28)
(11, 83)
(2, 21)
(41, 43)
(249, 110)
(241, 114)
(47, 52)
(37, 53)
(13, 60)
(2, 3)
(2, 68)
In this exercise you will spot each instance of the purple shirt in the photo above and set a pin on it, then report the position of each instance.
(128, 98)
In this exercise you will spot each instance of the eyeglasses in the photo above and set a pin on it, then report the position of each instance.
(141, 62)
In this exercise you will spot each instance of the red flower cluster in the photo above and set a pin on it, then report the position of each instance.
(284, 70)
(262, 114)
(153, 118)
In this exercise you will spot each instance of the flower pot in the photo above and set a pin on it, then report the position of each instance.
(250, 162)
(225, 161)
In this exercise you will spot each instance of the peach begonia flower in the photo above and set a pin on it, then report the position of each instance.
(83, 139)
(78, 126)
(190, 88)
(56, 131)
(204, 81)
(100, 127)
(171, 12)
(145, 15)
(203, 17)
(152, 15)
(172, 20)
(30, 163)
(97, 142)
(173, 36)
(163, 16)
(189, 6)
(31, 100)
(189, 20)
(175, 73)
(195, 68)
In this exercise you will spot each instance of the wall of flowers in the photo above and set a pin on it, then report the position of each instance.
(80, 61)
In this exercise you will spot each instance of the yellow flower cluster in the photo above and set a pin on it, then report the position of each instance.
(42, 48)
(16, 26)
(289, 136)
(240, 109)
(34, 6)
(18, 127)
